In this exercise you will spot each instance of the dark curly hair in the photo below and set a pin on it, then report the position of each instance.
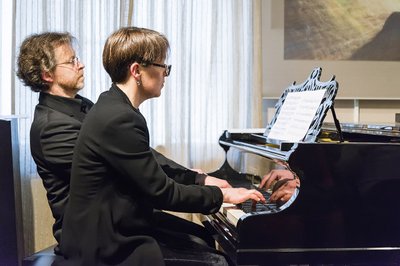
(37, 55)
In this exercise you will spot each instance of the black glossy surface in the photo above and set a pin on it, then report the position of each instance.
(10, 236)
(347, 211)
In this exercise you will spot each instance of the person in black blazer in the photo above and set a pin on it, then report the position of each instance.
(116, 181)
(48, 64)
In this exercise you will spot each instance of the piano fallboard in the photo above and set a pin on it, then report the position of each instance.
(346, 210)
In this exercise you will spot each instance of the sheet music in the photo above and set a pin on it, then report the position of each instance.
(296, 115)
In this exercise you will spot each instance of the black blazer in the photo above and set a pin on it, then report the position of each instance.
(54, 130)
(116, 183)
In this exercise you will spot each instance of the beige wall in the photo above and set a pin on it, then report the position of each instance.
(369, 92)
(37, 218)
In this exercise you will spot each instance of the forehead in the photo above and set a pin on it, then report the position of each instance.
(64, 52)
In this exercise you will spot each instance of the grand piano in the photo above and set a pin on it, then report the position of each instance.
(345, 211)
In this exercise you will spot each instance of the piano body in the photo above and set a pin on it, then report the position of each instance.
(345, 211)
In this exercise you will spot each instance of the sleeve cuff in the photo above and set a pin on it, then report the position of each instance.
(200, 179)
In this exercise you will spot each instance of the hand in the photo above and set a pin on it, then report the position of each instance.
(275, 175)
(239, 195)
(213, 181)
(285, 191)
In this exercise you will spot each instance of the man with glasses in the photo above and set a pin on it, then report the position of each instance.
(48, 64)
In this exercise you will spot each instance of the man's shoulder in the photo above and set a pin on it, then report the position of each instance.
(50, 120)
(45, 114)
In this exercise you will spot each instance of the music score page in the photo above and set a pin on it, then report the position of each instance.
(296, 115)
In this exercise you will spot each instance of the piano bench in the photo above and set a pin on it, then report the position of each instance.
(43, 257)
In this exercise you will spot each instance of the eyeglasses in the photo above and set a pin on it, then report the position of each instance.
(165, 66)
(73, 61)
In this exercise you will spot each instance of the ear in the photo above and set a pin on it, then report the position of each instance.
(135, 71)
(47, 76)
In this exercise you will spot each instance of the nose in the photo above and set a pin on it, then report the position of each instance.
(81, 65)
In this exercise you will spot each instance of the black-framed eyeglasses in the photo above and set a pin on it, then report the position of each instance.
(165, 66)
(73, 61)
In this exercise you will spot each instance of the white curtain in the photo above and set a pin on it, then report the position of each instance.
(215, 82)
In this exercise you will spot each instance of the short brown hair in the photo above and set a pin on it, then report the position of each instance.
(130, 44)
(37, 55)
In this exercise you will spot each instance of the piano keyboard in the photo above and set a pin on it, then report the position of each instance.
(234, 212)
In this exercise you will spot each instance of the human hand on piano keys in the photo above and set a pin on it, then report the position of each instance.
(282, 183)
(285, 191)
(239, 195)
(270, 179)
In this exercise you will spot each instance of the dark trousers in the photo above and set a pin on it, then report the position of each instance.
(186, 243)
(174, 223)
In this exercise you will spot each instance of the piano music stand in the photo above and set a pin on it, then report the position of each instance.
(312, 83)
